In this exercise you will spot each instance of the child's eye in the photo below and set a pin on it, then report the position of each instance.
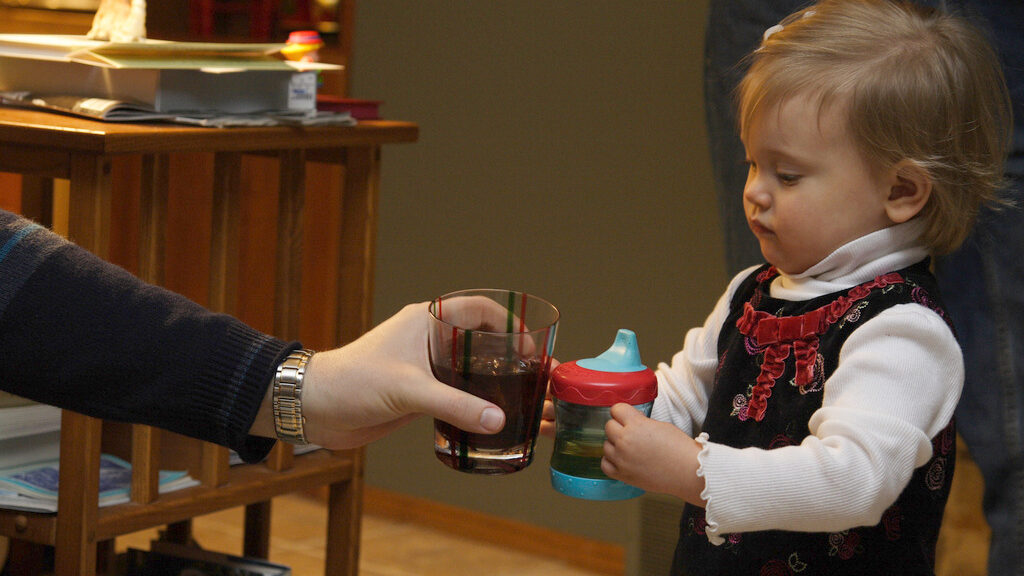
(788, 179)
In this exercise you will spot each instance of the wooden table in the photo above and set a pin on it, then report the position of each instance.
(133, 195)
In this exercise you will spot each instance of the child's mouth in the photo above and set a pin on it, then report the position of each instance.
(758, 229)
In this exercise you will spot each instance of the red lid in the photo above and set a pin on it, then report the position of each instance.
(571, 382)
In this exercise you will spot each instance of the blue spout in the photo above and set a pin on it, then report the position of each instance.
(623, 356)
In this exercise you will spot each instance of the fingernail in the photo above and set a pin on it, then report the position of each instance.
(492, 419)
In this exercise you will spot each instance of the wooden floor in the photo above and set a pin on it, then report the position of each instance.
(389, 547)
(395, 544)
(400, 547)
(964, 539)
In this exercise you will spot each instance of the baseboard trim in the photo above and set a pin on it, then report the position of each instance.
(600, 557)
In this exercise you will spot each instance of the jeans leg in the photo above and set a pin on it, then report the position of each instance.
(983, 288)
(734, 30)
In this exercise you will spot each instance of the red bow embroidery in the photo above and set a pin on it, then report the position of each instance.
(781, 336)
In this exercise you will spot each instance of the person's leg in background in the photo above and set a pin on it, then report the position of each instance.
(983, 287)
(734, 29)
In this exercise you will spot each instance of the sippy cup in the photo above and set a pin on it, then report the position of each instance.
(583, 392)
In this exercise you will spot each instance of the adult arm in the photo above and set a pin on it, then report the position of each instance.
(82, 334)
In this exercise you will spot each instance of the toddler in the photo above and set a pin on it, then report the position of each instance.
(808, 422)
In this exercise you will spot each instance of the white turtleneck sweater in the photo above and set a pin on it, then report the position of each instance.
(896, 386)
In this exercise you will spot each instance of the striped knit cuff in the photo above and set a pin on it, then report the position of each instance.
(234, 385)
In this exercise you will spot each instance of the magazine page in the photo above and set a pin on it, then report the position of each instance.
(98, 108)
(39, 481)
(122, 111)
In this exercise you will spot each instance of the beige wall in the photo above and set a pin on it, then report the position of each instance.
(562, 152)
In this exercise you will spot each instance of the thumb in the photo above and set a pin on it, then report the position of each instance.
(460, 409)
(624, 413)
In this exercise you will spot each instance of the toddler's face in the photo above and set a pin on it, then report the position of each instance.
(808, 190)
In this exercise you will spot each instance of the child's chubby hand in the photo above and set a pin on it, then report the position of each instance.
(652, 455)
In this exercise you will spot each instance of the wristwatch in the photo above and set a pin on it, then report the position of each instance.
(287, 398)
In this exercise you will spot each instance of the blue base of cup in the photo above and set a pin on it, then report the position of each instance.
(593, 488)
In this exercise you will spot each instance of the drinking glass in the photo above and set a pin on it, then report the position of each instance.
(495, 344)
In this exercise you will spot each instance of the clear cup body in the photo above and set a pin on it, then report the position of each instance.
(495, 344)
(579, 438)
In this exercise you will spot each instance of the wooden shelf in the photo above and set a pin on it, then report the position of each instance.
(126, 202)
(81, 135)
(247, 484)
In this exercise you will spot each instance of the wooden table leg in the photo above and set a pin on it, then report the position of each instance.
(355, 304)
(153, 192)
(257, 530)
(78, 494)
(89, 209)
(153, 217)
(358, 242)
(224, 272)
(288, 287)
(344, 522)
(289, 244)
(225, 244)
(287, 297)
(37, 199)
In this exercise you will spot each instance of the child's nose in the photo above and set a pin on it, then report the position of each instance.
(756, 192)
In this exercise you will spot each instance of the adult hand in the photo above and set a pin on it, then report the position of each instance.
(362, 391)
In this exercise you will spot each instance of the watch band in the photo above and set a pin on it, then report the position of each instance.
(287, 398)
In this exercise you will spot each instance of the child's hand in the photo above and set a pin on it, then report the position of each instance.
(655, 456)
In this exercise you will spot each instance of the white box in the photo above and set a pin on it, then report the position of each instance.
(169, 77)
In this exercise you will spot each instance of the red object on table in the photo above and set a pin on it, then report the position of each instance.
(360, 109)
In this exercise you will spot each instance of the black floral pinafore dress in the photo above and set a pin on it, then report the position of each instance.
(775, 357)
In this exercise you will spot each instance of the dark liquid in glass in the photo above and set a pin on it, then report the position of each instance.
(519, 391)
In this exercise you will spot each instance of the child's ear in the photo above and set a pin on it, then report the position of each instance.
(910, 186)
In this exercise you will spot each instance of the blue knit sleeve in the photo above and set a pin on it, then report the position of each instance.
(80, 333)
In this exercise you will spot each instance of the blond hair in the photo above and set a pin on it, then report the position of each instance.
(917, 84)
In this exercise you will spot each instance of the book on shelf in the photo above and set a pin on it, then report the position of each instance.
(30, 461)
(98, 108)
(168, 77)
(170, 559)
(123, 111)
(33, 486)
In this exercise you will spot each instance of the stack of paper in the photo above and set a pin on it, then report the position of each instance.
(175, 78)
(29, 433)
